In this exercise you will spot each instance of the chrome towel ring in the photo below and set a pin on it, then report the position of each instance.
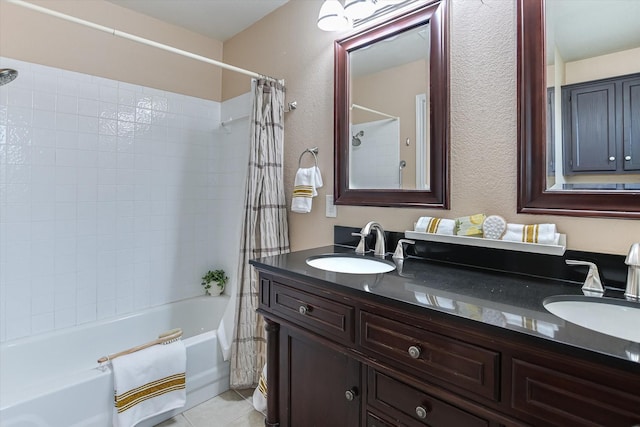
(313, 151)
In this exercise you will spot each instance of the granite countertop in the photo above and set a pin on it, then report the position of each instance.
(500, 299)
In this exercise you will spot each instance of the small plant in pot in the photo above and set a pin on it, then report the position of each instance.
(214, 282)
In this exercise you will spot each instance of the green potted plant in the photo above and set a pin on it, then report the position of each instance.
(214, 282)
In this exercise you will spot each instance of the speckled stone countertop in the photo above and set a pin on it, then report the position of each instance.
(499, 299)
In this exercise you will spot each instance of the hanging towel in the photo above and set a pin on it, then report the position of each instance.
(305, 186)
(149, 382)
(427, 224)
(536, 233)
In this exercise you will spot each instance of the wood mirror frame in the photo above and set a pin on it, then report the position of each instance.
(438, 194)
(533, 196)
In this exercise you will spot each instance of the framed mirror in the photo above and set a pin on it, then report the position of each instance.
(579, 107)
(391, 106)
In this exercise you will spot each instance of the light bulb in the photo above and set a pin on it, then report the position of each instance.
(332, 17)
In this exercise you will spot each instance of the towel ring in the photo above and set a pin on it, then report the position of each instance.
(313, 151)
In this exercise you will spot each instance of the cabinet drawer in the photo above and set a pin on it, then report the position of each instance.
(566, 400)
(414, 407)
(374, 421)
(464, 365)
(322, 315)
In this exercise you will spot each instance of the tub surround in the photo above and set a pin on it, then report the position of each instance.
(54, 379)
(493, 354)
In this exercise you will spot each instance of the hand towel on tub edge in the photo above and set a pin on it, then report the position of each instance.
(307, 181)
(149, 382)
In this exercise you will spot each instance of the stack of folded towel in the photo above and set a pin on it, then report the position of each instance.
(544, 234)
(489, 227)
(427, 224)
(307, 181)
(149, 382)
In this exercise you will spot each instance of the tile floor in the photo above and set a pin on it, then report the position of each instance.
(232, 408)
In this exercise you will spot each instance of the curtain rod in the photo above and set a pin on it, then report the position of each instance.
(137, 39)
(374, 111)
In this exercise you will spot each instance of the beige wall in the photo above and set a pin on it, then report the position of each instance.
(287, 44)
(34, 37)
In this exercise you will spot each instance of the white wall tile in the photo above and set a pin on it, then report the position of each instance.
(106, 187)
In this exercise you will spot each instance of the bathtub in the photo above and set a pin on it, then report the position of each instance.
(54, 380)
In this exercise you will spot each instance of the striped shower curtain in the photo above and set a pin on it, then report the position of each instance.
(265, 230)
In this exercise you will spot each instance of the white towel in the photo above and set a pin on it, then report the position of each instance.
(307, 181)
(535, 233)
(427, 224)
(149, 382)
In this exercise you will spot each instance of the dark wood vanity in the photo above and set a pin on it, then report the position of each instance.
(341, 356)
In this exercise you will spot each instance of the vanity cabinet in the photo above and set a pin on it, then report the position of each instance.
(601, 126)
(343, 357)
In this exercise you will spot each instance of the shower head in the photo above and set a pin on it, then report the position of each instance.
(355, 139)
(7, 75)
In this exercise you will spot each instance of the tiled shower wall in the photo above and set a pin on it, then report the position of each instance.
(113, 197)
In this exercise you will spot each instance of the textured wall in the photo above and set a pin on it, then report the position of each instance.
(483, 120)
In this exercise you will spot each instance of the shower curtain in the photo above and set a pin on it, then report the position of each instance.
(265, 230)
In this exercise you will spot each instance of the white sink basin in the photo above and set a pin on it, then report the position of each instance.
(613, 317)
(353, 264)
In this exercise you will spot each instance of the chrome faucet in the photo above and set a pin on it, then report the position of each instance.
(380, 250)
(633, 273)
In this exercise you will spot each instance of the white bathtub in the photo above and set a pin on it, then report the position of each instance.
(54, 380)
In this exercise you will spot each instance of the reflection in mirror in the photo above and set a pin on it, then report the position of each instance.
(389, 83)
(392, 112)
(579, 152)
(593, 76)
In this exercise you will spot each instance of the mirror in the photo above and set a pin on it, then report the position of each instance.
(579, 107)
(392, 112)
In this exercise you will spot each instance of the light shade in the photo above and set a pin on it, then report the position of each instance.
(359, 9)
(332, 17)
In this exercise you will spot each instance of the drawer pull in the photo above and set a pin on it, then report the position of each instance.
(421, 412)
(350, 394)
(414, 351)
(303, 310)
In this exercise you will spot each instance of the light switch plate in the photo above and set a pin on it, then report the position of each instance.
(331, 210)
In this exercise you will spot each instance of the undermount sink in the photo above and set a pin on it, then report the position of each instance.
(609, 316)
(353, 264)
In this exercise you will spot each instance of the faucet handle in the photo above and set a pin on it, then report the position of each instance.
(592, 283)
(399, 253)
(362, 246)
(632, 292)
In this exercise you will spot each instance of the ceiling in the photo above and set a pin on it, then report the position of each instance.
(591, 27)
(218, 19)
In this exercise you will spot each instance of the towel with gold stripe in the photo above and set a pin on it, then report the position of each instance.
(148, 382)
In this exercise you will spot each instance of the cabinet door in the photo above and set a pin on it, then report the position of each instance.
(591, 135)
(319, 385)
(631, 123)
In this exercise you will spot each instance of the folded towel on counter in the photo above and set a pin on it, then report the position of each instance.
(470, 226)
(427, 224)
(307, 181)
(149, 382)
(535, 233)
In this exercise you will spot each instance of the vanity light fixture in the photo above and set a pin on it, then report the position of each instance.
(359, 9)
(335, 17)
(332, 17)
